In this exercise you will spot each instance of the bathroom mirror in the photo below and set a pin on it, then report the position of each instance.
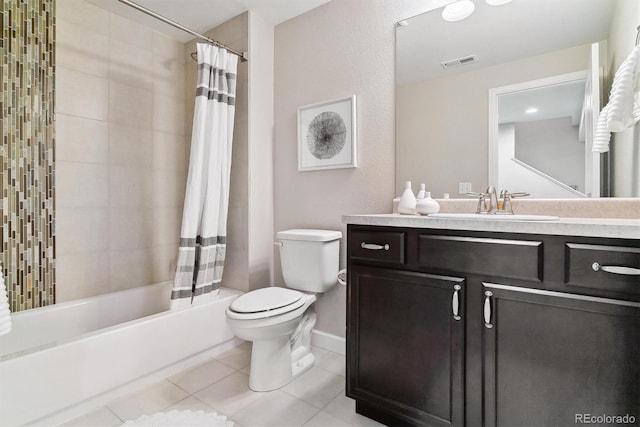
(446, 70)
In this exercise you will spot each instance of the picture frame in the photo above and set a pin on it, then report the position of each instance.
(327, 135)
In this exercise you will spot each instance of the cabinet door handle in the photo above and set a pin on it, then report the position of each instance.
(455, 303)
(374, 247)
(615, 269)
(487, 309)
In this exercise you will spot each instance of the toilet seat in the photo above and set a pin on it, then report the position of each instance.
(266, 302)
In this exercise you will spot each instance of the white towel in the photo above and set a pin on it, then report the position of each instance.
(623, 109)
(5, 314)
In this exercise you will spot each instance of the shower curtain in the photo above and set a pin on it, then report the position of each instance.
(204, 219)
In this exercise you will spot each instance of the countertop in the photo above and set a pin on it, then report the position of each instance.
(588, 227)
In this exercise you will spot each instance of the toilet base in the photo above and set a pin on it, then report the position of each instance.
(273, 365)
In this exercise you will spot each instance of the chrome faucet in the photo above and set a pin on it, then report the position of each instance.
(496, 206)
(493, 199)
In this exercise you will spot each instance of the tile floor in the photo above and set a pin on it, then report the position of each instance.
(221, 384)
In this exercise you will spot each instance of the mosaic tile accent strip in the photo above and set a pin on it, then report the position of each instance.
(26, 152)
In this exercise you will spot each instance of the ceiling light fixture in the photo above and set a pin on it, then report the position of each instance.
(458, 11)
(531, 110)
(497, 2)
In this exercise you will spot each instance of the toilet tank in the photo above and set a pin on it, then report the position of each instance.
(310, 259)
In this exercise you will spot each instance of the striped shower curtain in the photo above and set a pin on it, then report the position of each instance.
(204, 219)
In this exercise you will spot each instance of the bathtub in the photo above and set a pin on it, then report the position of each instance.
(59, 356)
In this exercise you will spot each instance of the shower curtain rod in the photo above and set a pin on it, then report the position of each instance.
(153, 14)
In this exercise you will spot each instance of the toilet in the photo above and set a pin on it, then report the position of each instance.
(279, 320)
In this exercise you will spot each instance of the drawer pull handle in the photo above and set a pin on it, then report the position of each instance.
(455, 303)
(628, 271)
(374, 247)
(487, 309)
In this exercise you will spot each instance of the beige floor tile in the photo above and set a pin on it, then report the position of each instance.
(331, 362)
(325, 419)
(201, 376)
(276, 409)
(191, 403)
(316, 386)
(345, 409)
(231, 394)
(102, 417)
(150, 400)
(238, 357)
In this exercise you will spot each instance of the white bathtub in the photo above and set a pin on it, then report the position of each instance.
(56, 357)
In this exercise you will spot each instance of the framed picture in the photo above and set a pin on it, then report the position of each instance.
(327, 135)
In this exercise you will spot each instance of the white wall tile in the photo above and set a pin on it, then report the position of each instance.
(130, 105)
(168, 114)
(80, 230)
(168, 188)
(81, 185)
(130, 146)
(82, 95)
(165, 259)
(81, 140)
(130, 187)
(168, 48)
(128, 31)
(130, 269)
(93, 18)
(170, 152)
(130, 229)
(131, 65)
(168, 76)
(81, 275)
(81, 49)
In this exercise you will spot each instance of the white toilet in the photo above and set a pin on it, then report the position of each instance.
(279, 320)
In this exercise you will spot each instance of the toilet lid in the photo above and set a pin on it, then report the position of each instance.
(268, 299)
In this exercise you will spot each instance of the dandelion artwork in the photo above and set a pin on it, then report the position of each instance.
(327, 135)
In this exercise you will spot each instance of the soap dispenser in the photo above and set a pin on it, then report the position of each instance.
(427, 205)
(407, 204)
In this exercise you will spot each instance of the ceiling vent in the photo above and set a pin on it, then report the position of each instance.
(459, 62)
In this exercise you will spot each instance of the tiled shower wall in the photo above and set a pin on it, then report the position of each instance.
(26, 152)
(121, 152)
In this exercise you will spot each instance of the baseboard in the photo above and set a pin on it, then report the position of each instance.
(329, 342)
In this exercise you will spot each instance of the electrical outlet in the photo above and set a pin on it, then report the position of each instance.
(464, 187)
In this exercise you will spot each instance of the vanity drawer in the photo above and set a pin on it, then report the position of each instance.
(380, 246)
(517, 259)
(581, 269)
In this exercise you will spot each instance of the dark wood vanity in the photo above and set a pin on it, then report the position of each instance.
(455, 327)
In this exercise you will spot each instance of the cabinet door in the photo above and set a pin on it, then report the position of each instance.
(405, 342)
(553, 358)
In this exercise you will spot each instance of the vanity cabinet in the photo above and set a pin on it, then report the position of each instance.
(453, 327)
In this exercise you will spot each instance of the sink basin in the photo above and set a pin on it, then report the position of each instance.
(490, 217)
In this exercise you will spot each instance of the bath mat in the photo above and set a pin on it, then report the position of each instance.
(177, 418)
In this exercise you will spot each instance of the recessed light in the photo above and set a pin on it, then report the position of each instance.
(531, 110)
(458, 11)
(497, 2)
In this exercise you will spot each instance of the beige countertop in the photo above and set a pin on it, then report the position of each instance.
(588, 227)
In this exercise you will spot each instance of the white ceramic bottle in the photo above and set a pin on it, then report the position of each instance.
(422, 193)
(407, 204)
(427, 205)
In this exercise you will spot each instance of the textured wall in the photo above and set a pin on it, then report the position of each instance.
(342, 48)
(26, 152)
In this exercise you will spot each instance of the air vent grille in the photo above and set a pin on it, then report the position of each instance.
(459, 62)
